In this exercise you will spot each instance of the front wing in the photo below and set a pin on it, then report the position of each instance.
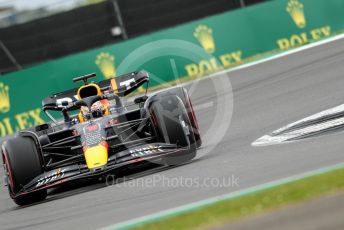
(56, 177)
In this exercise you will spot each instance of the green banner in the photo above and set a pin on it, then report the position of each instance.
(190, 50)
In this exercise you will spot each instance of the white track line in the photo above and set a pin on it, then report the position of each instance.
(276, 138)
(327, 112)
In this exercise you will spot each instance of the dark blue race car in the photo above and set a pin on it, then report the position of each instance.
(99, 134)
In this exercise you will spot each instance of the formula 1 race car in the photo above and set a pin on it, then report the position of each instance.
(99, 134)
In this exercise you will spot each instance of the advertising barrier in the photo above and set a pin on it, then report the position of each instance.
(188, 51)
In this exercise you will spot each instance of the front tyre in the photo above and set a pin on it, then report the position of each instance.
(184, 96)
(22, 164)
(174, 127)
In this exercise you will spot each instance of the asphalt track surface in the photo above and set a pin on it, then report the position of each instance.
(266, 97)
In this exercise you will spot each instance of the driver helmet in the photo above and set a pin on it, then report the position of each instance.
(97, 110)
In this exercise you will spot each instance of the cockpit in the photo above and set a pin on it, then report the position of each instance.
(98, 109)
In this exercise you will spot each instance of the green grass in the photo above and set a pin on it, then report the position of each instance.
(263, 201)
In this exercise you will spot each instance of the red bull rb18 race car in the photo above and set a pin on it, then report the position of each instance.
(98, 135)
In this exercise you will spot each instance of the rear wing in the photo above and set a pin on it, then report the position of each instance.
(121, 85)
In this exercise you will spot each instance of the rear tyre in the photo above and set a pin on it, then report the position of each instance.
(173, 127)
(22, 164)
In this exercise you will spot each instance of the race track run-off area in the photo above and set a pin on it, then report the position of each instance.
(261, 98)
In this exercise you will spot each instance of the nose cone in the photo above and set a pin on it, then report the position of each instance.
(96, 156)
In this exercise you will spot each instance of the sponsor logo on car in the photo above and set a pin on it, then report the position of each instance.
(150, 149)
(58, 174)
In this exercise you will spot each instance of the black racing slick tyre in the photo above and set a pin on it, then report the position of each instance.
(192, 117)
(173, 127)
(184, 96)
(22, 164)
